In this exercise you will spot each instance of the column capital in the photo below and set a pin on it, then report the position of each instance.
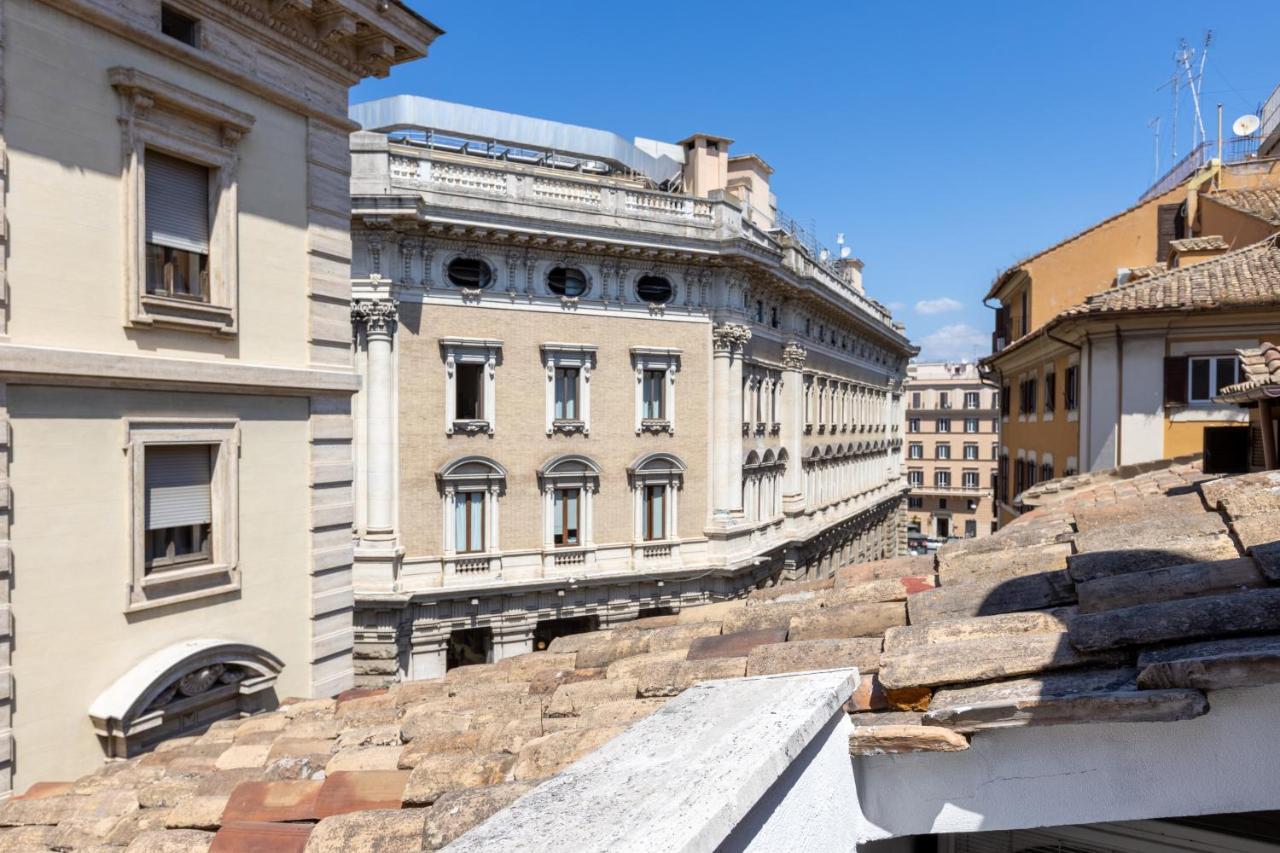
(793, 356)
(377, 315)
(730, 337)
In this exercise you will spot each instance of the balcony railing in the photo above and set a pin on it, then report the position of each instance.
(1183, 169)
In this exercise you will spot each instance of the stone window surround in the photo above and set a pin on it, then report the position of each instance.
(222, 573)
(482, 351)
(646, 471)
(583, 357)
(157, 114)
(492, 482)
(656, 358)
(581, 473)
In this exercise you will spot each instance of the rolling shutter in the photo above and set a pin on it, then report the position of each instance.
(1175, 380)
(177, 203)
(177, 486)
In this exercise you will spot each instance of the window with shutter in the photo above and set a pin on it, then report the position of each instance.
(1175, 380)
(177, 226)
(1169, 227)
(179, 507)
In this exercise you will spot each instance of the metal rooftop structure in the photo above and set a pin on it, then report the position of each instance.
(414, 113)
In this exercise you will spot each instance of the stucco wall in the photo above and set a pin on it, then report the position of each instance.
(520, 442)
(66, 264)
(70, 532)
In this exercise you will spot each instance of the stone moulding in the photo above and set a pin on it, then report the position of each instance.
(182, 688)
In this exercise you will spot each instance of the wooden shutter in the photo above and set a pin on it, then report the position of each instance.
(1175, 380)
(177, 486)
(1168, 228)
(177, 203)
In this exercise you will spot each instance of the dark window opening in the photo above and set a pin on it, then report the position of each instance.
(1226, 450)
(549, 629)
(566, 507)
(470, 392)
(180, 26)
(1050, 392)
(646, 612)
(566, 391)
(773, 317)
(654, 289)
(469, 273)
(469, 646)
(1071, 390)
(654, 513)
(567, 281)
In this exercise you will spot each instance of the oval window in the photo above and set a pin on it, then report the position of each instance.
(567, 281)
(653, 288)
(470, 273)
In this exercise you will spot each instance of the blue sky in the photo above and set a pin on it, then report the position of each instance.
(945, 142)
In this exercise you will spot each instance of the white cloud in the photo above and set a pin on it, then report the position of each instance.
(954, 342)
(945, 305)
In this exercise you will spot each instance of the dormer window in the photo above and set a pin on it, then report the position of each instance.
(179, 25)
(469, 273)
(567, 281)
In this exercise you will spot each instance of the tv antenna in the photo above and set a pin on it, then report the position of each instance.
(1155, 123)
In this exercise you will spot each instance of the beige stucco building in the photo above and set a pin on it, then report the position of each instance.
(175, 368)
(603, 379)
(951, 452)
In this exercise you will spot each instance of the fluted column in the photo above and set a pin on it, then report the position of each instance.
(793, 358)
(378, 547)
(728, 341)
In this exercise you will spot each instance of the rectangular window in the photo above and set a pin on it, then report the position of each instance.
(1004, 400)
(970, 424)
(944, 400)
(653, 408)
(915, 477)
(178, 25)
(1209, 375)
(1046, 472)
(970, 479)
(970, 528)
(942, 450)
(971, 451)
(1050, 392)
(915, 451)
(468, 520)
(971, 399)
(566, 404)
(944, 424)
(654, 517)
(470, 392)
(179, 505)
(942, 479)
(1071, 388)
(913, 425)
(915, 503)
(915, 399)
(565, 506)
(177, 227)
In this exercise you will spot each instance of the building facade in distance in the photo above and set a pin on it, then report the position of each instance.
(175, 368)
(603, 379)
(1111, 346)
(951, 451)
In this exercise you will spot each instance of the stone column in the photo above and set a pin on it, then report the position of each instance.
(793, 357)
(378, 551)
(512, 640)
(728, 341)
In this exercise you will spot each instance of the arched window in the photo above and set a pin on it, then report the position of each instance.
(567, 281)
(654, 289)
(471, 486)
(469, 273)
(655, 481)
(181, 689)
(568, 483)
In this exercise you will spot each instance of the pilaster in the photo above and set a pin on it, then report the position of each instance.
(728, 340)
(793, 359)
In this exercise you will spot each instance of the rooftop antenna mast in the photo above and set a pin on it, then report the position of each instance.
(1174, 84)
(1195, 80)
(1155, 122)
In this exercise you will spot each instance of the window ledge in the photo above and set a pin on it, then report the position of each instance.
(655, 425)
(568, 427)
(472, 427)
(173, 586)
(175, 311)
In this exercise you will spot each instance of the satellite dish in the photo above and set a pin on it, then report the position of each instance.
(823, 255)
(844, 251)
(1246, 125)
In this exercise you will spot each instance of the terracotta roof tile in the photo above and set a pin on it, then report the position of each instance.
(1261, 202)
